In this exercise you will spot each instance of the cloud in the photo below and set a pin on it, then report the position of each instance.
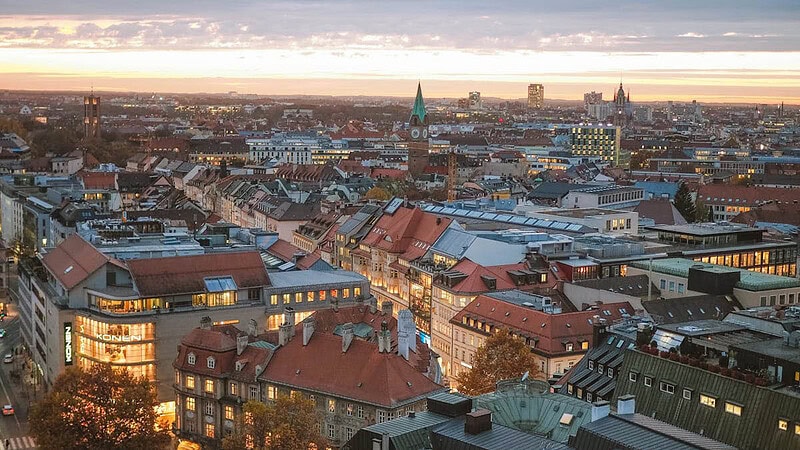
(691, 34)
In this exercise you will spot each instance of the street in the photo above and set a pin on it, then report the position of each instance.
(14, 429)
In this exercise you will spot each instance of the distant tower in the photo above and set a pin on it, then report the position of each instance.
(622, 108)
(91, 117)
(418, 152)
(535, 96)
(452, 174)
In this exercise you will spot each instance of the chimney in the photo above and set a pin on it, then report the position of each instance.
(478, 421)
(347, 336)
(373, 305)
(241, 343)
(626, 404)
(384, 339)
(600, 410)
(252, 327)
(387, 307)
(406, 332)
(284, 334)
(288, 318)
(598, 330)
(308, 329)
(205, 323)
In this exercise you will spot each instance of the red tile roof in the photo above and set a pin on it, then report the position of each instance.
(286, 251)
(408, 231)
(362, 374)
(185, 274)
(220, 342)
(474, 283)
(552, 331)
(381, 172)
(73, 261)
(727, 194)
(98, 180)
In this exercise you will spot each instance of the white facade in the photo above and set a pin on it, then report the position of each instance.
(290, 151)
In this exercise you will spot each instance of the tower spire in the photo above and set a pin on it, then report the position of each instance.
(419, 105)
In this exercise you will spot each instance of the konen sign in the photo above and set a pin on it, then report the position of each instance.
(118, 338)
(67, 343)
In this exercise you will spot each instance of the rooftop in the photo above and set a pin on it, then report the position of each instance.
(704, 229)
(749, 280)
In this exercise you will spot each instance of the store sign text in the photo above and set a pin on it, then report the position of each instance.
(67, 343)
(118, 338)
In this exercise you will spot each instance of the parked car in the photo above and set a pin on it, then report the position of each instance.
(8, 359)
(8, 410)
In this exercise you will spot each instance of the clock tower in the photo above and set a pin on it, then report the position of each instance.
(418, 152)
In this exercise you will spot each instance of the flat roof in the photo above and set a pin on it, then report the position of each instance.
(749, 280)
(581, 212)
(704, 229)
(312, 277)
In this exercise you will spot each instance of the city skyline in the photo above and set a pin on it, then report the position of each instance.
(713, 52)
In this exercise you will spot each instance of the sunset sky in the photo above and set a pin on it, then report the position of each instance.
(713, 51)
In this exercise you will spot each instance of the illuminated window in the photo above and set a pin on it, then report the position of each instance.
(331, 405)
(310, 296)
(708, 401)
(732, 408)
(234, 389)
(272, 392)
(189, 404)
(189, 382)
(334, 293)
(210, 386)
(286, 298)
(345, 293)
(356, 291)
(273, 299)
(585, 345)
(298, 297)
(783, 425)
(228, 412)
(797, 429)
(210, 430)
(322, 295)
(349, 409)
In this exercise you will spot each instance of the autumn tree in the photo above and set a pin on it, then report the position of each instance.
(290, 423)
(501, 357)
(97, 409)
(9, 125)
(378, 193)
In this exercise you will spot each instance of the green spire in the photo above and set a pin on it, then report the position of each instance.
(419, 105)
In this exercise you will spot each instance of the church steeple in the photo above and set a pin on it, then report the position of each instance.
(419, 115)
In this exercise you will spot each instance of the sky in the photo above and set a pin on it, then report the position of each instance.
(708, 50)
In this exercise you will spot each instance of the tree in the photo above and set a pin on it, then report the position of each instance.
(702, 213)
(501, 357)
(290, 423)
(9, 125)
(98, 409)
(378, 193)
(684, 203)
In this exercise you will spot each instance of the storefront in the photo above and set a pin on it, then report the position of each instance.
(123, 345)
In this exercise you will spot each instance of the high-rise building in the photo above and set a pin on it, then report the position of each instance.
(418, 151)
(475, 100)
(535, 96)
(592, 98)
(599, 142)
(91, 116)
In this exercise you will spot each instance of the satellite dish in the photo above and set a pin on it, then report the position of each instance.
(525, 375)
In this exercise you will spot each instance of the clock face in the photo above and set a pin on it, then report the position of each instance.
(425, 133)
(415, 133)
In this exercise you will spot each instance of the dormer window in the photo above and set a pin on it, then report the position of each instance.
(191, 359)
(211, 362)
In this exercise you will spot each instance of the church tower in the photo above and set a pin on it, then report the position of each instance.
(623, 112)
(418, 151)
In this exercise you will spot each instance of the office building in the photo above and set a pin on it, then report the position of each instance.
(91, 117)
(535, 96)
(600, 142)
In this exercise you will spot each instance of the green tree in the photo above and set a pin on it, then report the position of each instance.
(702, 213)
(97, 409)
(684, 203)
(290, 423)
(501, 357)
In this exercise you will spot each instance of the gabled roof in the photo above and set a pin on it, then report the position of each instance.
(361, 373)
(73, 261)
(476, 275)
(407, 230)
(98, 180)
(185, 274)
(662, 211)
(287, 251)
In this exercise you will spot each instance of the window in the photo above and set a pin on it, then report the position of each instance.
(667, 387)
(298, 297)
(610, 372)
(211, 362)
(591, 365)
(783, 424)
(331, 431)
(360, 412)
(349, 432)
(189, 404)
(345, 293)
(210, 430)
(648, 381)
(322, 295)
(331, 405)
(681, 288)
(708, 401)
(209, 409)
(732, 408)
(228, 412)
(177, 377)
(569, 347)
(633, 376)
(381, 416)
(286, 298)
(585, 345)
(253, 393)
(191, 359)
(272, 392)
(687, 394)
(273, 299)
(210, 386)
(189, 382)
(672, 286)
(797, 429)
(570, 389)
(663, 285)
(588, 396)
(349, 409)
(234, 389)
